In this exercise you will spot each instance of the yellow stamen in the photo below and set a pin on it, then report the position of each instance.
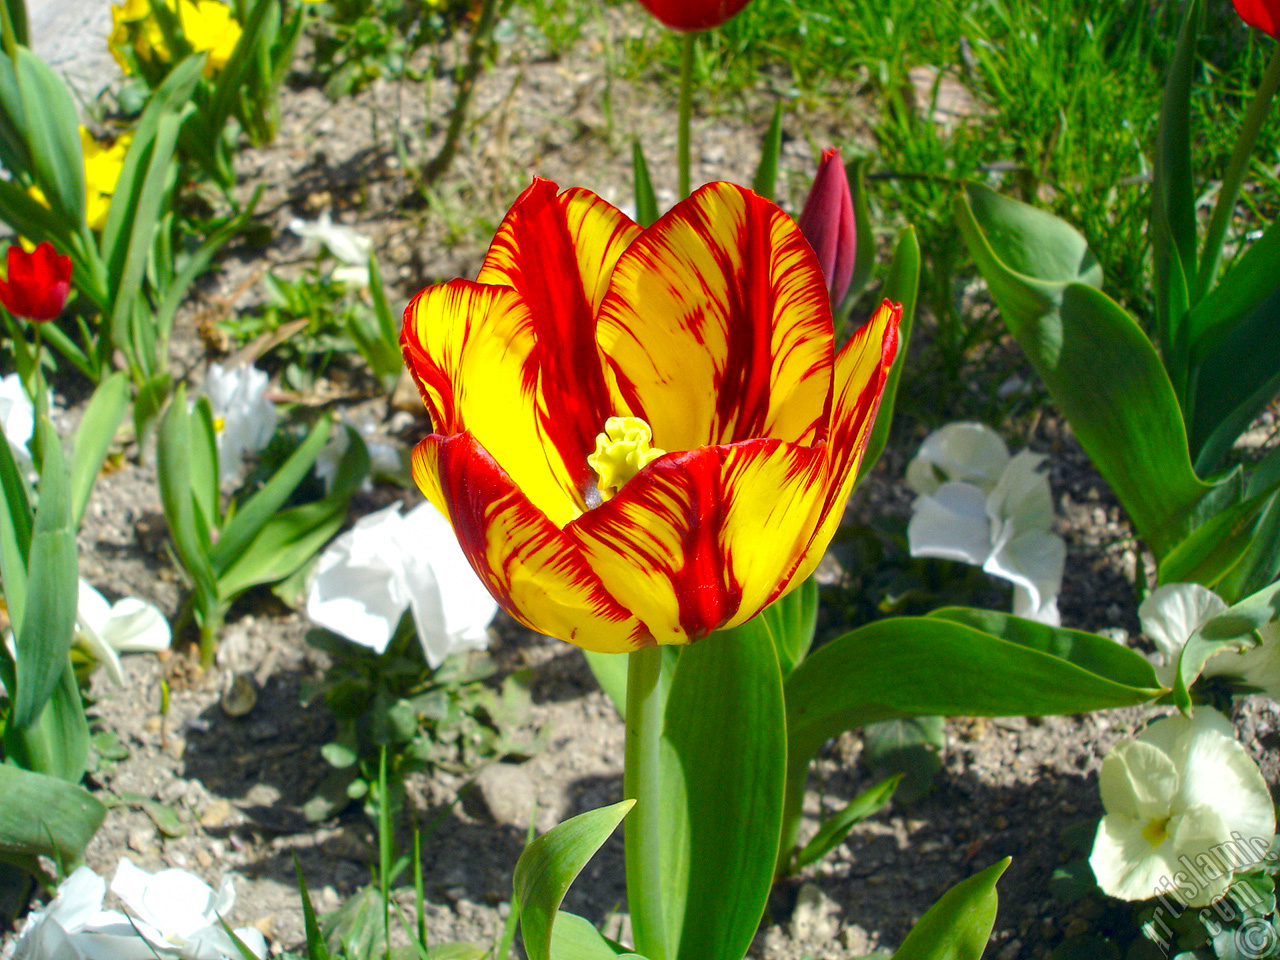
(622, 451)
(1156, 831)
(219, 424)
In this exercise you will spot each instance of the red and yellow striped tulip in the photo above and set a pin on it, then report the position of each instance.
(642, 436)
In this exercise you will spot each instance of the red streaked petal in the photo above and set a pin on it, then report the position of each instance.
(861, 369)
(717, 326)
(532, 568)
(656, 548)
(471, 350)
(558, 252)
(705, 538)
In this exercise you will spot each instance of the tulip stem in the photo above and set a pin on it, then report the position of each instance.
(688, 41)
(642, 782)
(1234, 175)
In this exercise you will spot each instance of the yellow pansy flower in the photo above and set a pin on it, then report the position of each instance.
(207, 25)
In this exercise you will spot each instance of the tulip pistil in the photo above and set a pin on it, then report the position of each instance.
(623, 450)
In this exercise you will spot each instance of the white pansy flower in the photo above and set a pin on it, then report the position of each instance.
(17, 417)
(244, 418)
(170, 914)
(126, 626)
(978, 505)
(366, 578)
(1172, 613)
(347, 245)
(1186, 807)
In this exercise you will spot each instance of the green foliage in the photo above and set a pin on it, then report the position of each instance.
(449, 718)
(958, 926)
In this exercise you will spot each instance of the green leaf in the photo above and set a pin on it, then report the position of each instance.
(93, 440)
(1235, 628)
(45, 816)
(958, 926)
(285, 543)
(727, 732)
(1173, 214)
(173, 472)
(15, 534)
(52, 132)
(836, 827)
(575, 938)
(1210, 551)
(317, 949)
(1260, 563)
(900, 286)
(610, 670)
(1236, 379)
(646, 200)
(792, 621)
(49, 615)
(920, 666)
(249, 522)
(766, 177)
(549, 865)
(1099, 366)
(908, 747)
(231, 77)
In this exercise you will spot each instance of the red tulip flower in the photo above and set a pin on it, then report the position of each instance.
(1263, 14)
(827, 223)
(37, 284)
(685, 15)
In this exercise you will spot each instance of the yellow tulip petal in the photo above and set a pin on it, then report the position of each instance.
(717, 327)
(531, 567)
(861, 369)
(558, 253)
(655, 546)
(470, 348)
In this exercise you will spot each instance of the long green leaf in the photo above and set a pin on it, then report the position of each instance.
(48, 621)
(283, 544)
(1260, 563)
(46, 816)
(726, 727)
(958, 926)
(766, 178)
(836, 827)
(231, 76)
(900, 286)
(97, 430)
(1236, 379)
(1173, 214)
(922, 666)
(173, 472)
(792, 621)
(57, 744)
(52, 130)
(574, 938)
(549, 865)
(1099, 366)
(646, 200)
(250, 520)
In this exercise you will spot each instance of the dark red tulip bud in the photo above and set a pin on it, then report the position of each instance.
(1263, 14)
(827, 223)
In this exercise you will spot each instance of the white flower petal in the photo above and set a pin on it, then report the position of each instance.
(17, 417)
(345, 243)
(1199, 834)
(1034, 561)
(951, 523)
(92, 614)
(451, 607)
(1219, 774)
(964, 452)
(245, 415)
(1125, 863)
(1021, 498)
(1139, 781)
(136, 626)
(176, 903)
(1170, 614)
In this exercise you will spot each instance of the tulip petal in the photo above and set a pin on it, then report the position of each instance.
(558, 252)
(533, 569)
(490, 385)
(717, 326)
(861, 367)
